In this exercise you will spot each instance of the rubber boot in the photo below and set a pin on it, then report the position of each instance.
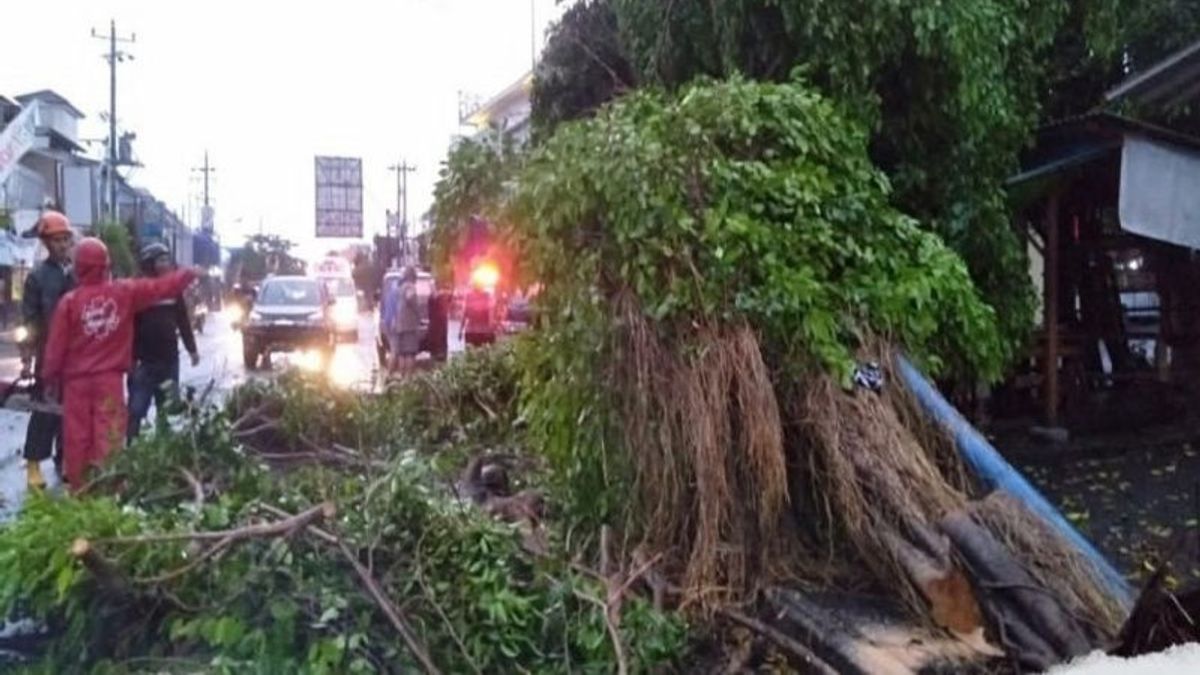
(33, 475)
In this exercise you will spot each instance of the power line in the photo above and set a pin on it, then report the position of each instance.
(114, 56)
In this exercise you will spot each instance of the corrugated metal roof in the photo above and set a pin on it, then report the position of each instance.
(1111, 124)
(1173, 80)
(1070, 143)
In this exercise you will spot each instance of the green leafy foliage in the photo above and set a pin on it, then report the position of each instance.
(569, 409)
(726, 203)
(1100, 43)
(120, 248)
(747, 200)
(473, 595)
(948, 96)
(265, 254)
(582, 67)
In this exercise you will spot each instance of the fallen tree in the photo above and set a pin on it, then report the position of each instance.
(710, 408)
(727, 278)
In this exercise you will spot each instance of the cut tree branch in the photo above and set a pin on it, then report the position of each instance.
(614, 632)
(196, 485)
(325, 510)
(312, 529)
(389, 609)
(781, 639)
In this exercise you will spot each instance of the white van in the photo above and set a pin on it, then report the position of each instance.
(335, 273)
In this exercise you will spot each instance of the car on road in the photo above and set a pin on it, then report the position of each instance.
(337, 275)
(289, 314)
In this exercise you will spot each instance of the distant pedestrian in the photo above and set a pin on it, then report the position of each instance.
(44, 286)
(478, 325)
(156, 334)
(406, 332)
(90, 349)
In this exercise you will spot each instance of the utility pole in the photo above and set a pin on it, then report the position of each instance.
(206, 169)
(113, 57)
(402, 170)
(206, 210)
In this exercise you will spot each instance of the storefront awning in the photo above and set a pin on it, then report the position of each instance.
(1160, 191)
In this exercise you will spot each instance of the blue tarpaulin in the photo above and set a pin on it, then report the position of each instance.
(206, 252)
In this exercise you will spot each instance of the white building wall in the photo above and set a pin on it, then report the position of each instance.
(60, 119)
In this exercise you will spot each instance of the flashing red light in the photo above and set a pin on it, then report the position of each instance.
(486, 276)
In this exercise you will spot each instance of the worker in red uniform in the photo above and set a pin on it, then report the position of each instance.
(90, 349)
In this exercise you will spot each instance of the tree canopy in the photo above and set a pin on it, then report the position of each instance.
(735, 199)
(583, 66)
(266, 254)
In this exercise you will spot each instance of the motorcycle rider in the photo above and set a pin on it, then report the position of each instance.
(156, 334)
(44, 286)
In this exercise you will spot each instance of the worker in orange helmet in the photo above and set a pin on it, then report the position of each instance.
(45, 285)
(90, 350)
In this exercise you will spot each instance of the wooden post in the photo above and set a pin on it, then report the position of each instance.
(1050, 309)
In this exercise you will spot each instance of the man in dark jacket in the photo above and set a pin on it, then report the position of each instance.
(156, 334)
(44, 286)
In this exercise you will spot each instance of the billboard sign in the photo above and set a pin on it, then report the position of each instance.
(339, 197)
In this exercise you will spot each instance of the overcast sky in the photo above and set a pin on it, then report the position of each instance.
(266, 85)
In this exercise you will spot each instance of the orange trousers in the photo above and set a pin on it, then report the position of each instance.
(94, 419)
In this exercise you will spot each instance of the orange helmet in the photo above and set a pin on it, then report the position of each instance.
(53, 223)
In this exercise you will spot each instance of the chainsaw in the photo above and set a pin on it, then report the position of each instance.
(21, 395)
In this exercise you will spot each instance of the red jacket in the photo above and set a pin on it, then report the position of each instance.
(92, 329)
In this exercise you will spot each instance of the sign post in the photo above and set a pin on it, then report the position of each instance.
(339, 197)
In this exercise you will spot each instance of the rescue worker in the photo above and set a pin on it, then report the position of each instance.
(90, 349)
(439, 324)
(478, 326)
(44, 286)
(156, 334)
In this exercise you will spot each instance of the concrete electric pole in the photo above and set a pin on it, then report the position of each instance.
(113, 57)
(402, 170)
(206, 217)
(206, 169)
